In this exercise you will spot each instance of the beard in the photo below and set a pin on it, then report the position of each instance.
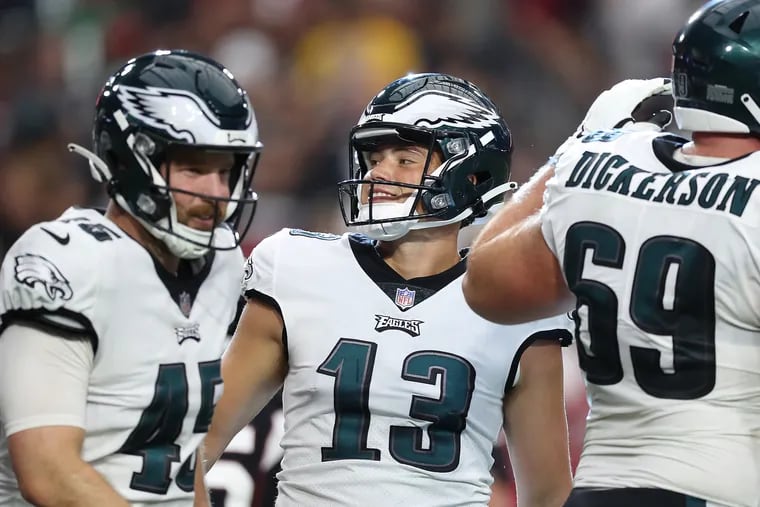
(204, 217)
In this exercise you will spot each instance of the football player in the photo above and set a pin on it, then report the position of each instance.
(394, 392)
(654, 235)
(113, 323)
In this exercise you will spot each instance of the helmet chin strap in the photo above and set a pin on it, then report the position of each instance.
(494, 192)
(389, 231)
(188, 245)
(386, 231)
(699, 120)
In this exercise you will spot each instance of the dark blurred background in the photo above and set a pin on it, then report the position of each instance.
(310, 67)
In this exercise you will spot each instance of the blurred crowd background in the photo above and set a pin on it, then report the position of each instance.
(310, 67)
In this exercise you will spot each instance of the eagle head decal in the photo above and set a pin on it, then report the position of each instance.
(38, 272)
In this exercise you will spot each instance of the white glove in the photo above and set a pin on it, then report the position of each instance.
(614, 109)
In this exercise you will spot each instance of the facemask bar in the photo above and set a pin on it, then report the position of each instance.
(236, 204)
(246, 209)
(364, 138)
(349, 190)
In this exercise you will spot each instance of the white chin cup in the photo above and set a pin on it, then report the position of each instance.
(386, 231)
(181, 241)
(177, 244)
(699, 120)
(189, 243)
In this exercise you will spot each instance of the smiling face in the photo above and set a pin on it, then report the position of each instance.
(395, 164)
(195, 171)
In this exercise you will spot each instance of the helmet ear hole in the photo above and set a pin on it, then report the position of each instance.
(479, 178)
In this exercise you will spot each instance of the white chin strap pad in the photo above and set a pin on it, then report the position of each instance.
(699, 120)
(387, 231)
(176, 244)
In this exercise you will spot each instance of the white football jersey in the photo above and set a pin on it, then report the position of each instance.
(158, 340)
(394, 389)
(665, 261)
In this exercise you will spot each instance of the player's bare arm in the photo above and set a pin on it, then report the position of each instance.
(253, 369)
(492, 286)
(514, 237)
(536, 428)
(50, 471)
(201, 494)
(518, 206)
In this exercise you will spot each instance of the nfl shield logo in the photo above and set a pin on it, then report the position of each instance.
(404, 298)
(185, 303)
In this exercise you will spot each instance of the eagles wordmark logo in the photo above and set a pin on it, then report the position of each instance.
(385, 322)
(191, 332)
(37, 272)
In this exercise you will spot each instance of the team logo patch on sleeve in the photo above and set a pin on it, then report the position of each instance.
(247, 274)
(248, 270)
(39, 273)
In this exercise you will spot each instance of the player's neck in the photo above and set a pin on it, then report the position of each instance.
(136, 231)
(729, 146)
(424, 252)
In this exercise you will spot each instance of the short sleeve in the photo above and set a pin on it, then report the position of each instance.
(554, 212)
(556, 329)
(547, 212)
(260, 268)
(48, 279)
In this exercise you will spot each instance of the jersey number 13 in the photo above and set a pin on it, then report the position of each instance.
(351, 363)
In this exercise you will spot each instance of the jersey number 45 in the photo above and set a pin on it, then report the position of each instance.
(154, 437)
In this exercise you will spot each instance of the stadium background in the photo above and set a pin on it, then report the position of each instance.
(310, 67)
